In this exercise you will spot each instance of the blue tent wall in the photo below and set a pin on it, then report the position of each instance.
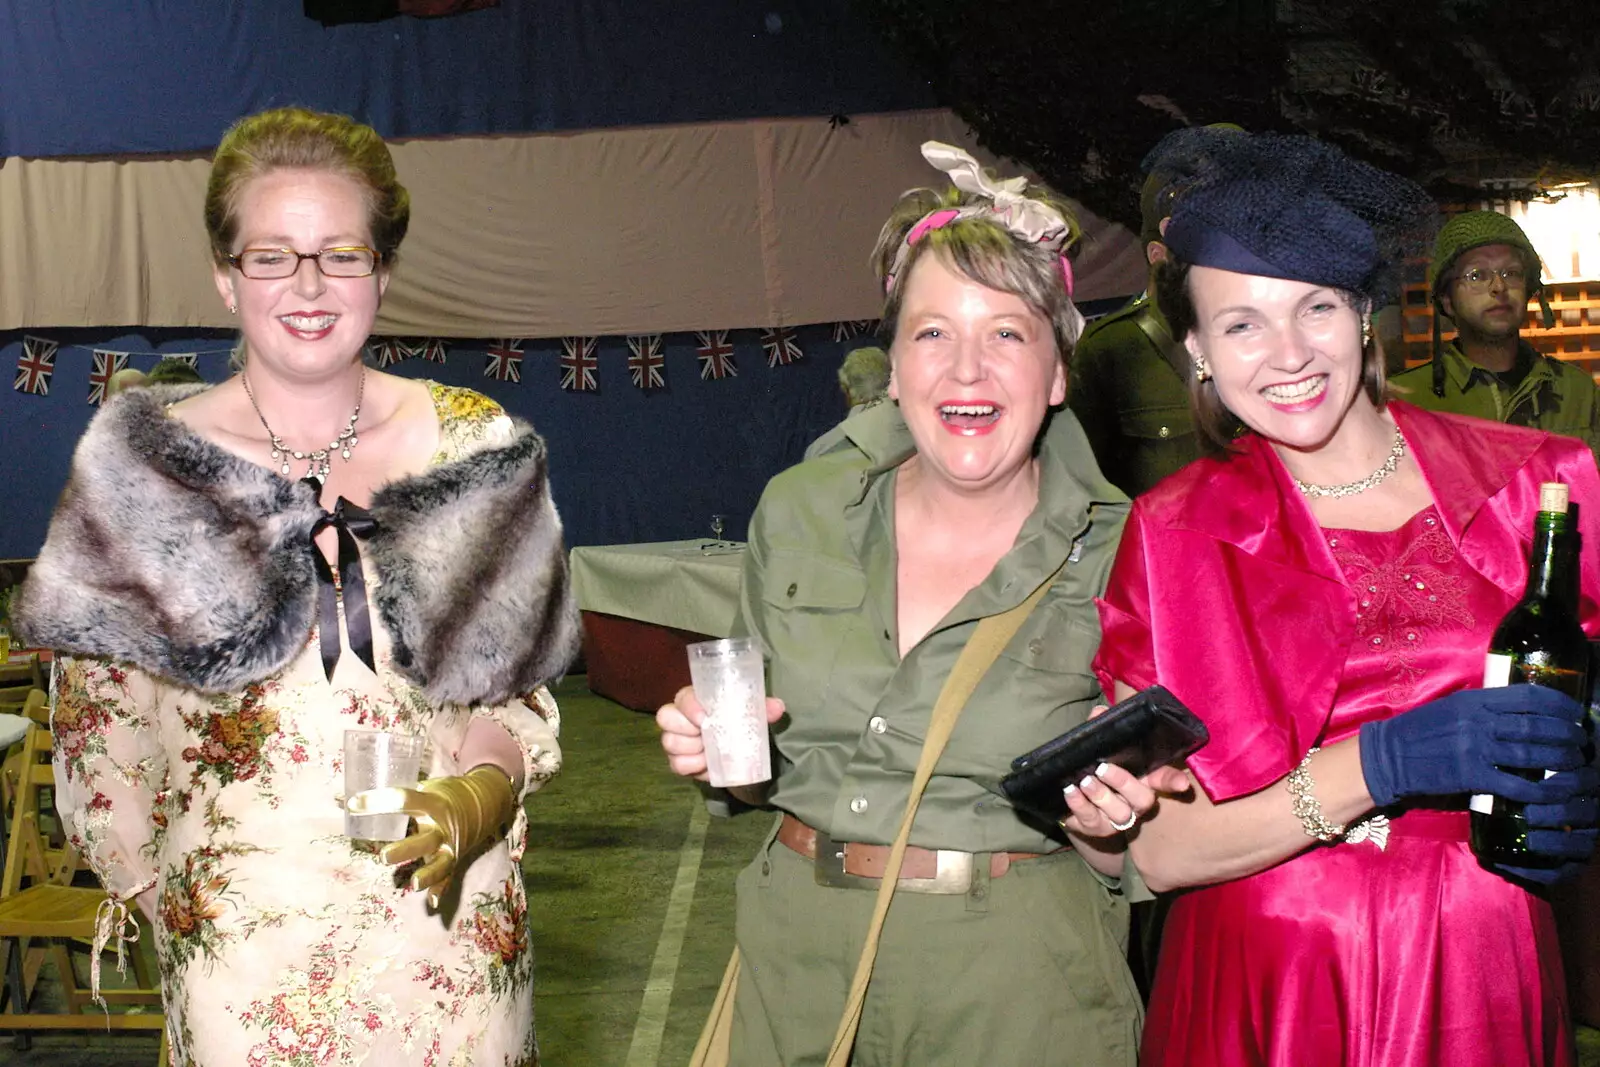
(87, 77)
(626, 465)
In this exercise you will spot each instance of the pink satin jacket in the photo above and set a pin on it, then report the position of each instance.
(1225, 591)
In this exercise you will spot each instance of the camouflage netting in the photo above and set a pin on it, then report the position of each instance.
(1446, 92)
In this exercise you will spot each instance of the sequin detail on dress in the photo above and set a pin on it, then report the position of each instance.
(1407, 591)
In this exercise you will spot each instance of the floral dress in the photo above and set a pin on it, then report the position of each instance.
(280, 941)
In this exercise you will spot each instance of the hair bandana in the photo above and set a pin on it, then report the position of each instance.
(1031, 220)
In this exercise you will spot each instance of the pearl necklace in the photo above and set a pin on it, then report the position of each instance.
(1396, 453)
(318, 461)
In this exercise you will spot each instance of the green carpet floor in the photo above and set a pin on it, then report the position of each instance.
(604, 845)
(604, 856)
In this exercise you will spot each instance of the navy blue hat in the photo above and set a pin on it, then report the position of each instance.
(1290, 206)
(1161, 183)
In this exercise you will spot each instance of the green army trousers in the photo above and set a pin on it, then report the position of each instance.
(1024, 970)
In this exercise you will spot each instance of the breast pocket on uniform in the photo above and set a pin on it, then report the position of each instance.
(1051, 678)
(813, 605)
(1164, 423)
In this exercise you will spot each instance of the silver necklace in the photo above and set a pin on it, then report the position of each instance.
(318, 462)
(1396, 453)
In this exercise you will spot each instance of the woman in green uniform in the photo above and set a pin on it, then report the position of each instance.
(868, 568)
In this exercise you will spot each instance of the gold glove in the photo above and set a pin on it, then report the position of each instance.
(455, 816)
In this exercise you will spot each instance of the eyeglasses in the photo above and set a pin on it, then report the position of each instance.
(267, 264)
(1480, 278)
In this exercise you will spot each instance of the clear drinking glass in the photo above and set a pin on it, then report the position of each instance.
(730, 681)
(374, 759)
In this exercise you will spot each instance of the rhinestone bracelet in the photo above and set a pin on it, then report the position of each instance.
(1305, 805)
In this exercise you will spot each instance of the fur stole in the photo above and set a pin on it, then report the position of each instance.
(174, 555)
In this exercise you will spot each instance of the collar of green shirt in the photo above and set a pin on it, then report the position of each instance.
(1465, 374)
(1070, 485)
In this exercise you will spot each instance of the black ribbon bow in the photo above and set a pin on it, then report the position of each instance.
(350, 521)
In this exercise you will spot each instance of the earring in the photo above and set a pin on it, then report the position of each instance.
(1366, 334)
(233, 309)
(1202, 369)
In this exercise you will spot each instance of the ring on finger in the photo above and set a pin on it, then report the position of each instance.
(1133, 817)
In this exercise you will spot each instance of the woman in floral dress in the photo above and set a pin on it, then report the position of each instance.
(223, 630)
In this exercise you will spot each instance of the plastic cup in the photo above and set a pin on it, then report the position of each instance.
(376, 760)
(730, 681)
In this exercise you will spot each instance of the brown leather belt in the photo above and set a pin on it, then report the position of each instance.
(850, 863)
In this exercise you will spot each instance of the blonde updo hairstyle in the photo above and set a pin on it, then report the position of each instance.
(983, 249)
(293, 138)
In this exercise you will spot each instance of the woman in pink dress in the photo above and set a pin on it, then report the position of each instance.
(1322, 591)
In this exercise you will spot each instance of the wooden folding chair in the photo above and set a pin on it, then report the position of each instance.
(34, 710)
(27, 673)
(41, 910)
(12, 697)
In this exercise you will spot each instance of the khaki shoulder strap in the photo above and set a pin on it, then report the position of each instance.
(981, 650)
(1172, 351)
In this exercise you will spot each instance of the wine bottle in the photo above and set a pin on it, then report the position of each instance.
(1540, 642)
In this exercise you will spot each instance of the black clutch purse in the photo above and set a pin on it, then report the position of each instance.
(1150, 729)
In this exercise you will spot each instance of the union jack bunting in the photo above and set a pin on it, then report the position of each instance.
(35, 366)
(843, 331)
(716, 355)
(431, 350)
(504, 361)
(191, 358)
(106, 364)
(646, 365)
(781, 346)
(390, 350)
(578, 364)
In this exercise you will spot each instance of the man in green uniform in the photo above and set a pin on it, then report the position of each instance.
(1483, 272)
(864, 376)
(864, 380)
(1130, 379)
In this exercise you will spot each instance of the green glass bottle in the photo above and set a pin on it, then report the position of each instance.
(1539, 641)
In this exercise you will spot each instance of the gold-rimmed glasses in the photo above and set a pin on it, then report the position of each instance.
(1478, 279)
(269, 264)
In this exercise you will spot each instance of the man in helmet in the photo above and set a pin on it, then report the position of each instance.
(864, 381)
(1484, 270)
(864, 377)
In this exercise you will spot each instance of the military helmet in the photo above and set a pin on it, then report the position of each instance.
(1474, 229)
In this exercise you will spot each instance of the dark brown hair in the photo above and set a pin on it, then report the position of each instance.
(1217, 426)
(293, 138)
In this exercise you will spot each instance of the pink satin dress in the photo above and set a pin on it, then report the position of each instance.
(1349, 955)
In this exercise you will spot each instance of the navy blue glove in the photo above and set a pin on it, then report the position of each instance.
(1565, 832)
(1459, 742)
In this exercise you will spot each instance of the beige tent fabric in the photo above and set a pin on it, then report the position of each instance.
(638, 230)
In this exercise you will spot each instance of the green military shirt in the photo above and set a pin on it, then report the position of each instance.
(839, 433)
(819, 591)
(1555, 395)
(1132, 402)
